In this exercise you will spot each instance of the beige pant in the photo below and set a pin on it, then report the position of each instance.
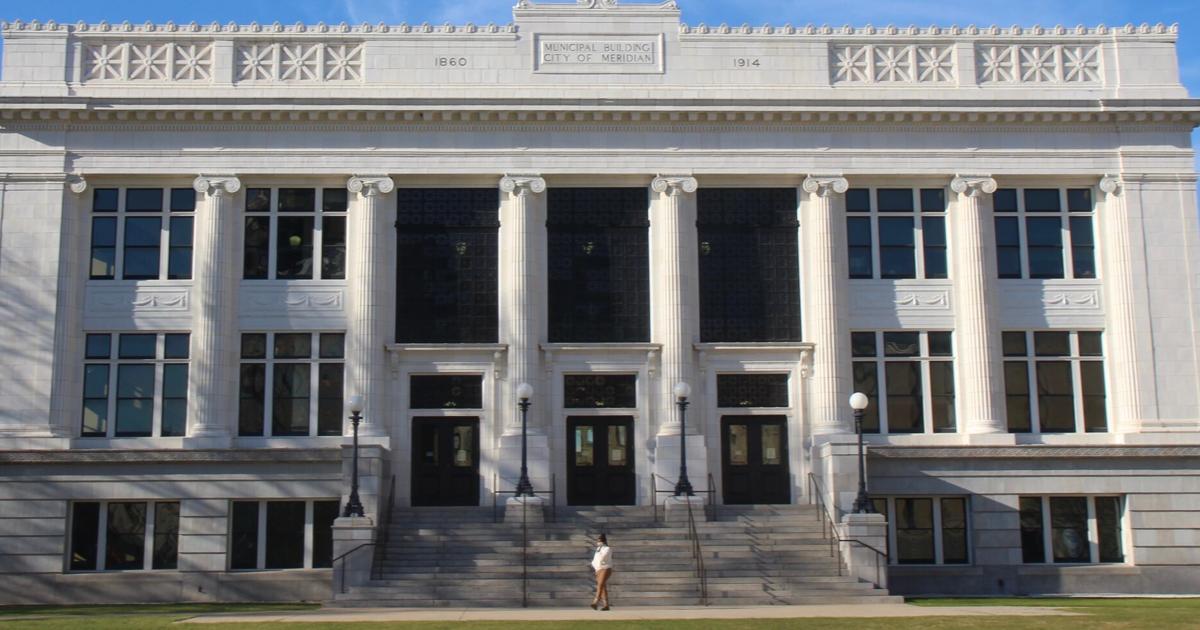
(602, 577)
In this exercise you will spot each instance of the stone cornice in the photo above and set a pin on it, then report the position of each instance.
(136, 456)
(370, 186)
(253, 29)
(1040, 451)
(973, 185)
(1033, 33)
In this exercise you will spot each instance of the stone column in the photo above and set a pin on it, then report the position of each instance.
(1120, 308)
(826, 310)
(366, 363)
(65, 400)
(212, 377)
(675, 322)
(978, 358)
(522, 327)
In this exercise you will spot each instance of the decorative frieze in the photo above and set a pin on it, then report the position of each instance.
(892, 63)
(163, 61)
(299, 61)
(1038, 63)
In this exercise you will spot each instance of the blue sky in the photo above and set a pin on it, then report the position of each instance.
(755, 12)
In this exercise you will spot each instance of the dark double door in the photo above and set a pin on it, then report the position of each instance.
(754, 460)
(445, 461)
(600, 461)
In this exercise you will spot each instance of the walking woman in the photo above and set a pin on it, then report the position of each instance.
(602, 564)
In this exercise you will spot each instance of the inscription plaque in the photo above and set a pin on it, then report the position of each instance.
(598, 54)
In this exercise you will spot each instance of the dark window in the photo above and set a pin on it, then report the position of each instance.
(749, 266)
(1016, 394)
(1069, 529)
(174, 400)
(143, 199)
(324, 513)
(1045, 247)
(252, 399)
(297, 199)
(941, 385)
(914, 531)
(176, 346)
(940, 344)
(1052, 344)
(933, 200)
(1033, 544)
(293, 346)
(142, 239)
(294, 248)
(135, 399)
(179, 254)
(447, 261)
(105, 200)
(897, 248)
(862, 344)
(954, 531)
(330, 378)
(257, 248)
(85, 536)
(1090, 344)
(254, 346)
(1042, 200)
(600, 391)
(933, 232)
(457, 391)
(904, 405)
(752, 390)
(598, 264)
(1091, 376)
(137, 346)
(104, 248)
(125, 541)
(258, 200)
(243, 541)
(894, 199)
(333, 248)
(183, 200)
(1108, 527)
(901, 344)
(285, 534)
(95, 400)
(1008, 247)
(1083, 248)
(858, 200)
(866, 380)
(1005, 200)
(1014, 344)
(1079, 199)
(291, 393)
(1056, 396)
(335, 200)
(332, 345)
(166, 536)
(858, 236)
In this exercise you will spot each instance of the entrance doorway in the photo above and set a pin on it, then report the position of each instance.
(445, 461)
(600, 461)
(754, 460)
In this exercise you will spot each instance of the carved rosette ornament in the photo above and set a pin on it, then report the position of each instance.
(674, 185)
(77, 184)
(218, 185)
(822, 186)
(521, 185)
(973, 185)
(1112, 185)
(370, 186)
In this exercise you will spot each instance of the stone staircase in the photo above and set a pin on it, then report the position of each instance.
(759, 555)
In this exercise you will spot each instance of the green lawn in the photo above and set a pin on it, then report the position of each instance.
(1102, 614)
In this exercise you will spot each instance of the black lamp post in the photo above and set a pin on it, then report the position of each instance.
(683, 487)
(354, 506)
(862, 503)
(524, 393)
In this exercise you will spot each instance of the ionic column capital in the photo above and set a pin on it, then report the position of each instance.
(825, 185)
(973, 185)
(674, 185)
(1112, 185)
(217, 185)
(370, 185)
(77, 184)
(521, 185)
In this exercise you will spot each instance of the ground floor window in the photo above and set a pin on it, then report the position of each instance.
(124, 535)
(1072, 529)
(925, 530)
(281, 534)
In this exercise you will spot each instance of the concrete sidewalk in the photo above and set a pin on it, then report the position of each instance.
(326, 615)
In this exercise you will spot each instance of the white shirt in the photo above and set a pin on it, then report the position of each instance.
(603, 558)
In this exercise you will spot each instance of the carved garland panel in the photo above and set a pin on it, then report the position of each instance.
(188, 61)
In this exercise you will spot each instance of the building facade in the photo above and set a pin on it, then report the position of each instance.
(212, 235)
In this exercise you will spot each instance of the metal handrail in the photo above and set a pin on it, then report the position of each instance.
(712, 498)
(553, 492)
(697, 555)
(654, 492)
(525, 525)
(382, 530)
(835, 537)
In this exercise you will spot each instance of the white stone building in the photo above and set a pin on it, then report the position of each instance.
(211, 235)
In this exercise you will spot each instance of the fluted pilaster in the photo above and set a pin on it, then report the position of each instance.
(366, 339)
(978, 358)
(825, 299)
(673, 229)
(213, 372)
(522, 303)
(68, 328)
(1120, 308)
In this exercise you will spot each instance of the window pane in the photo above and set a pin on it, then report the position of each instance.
(1056, 396)
(258, 200)
(939, 344)
(166, 535)
(251, 400)
(1068, 529)
(896, 248)
(104, 248)
(862, 344)
(858, 235)
(933, 200)
(294, 248)
(1052, 344)
(125, 540)
(1042, 200)
(293, 346)
(739, 453)
(135, 400)
(617, 442)
(143, 199)
(584, 445)
(894, 199)
(464, 446)
(858, 200)
(1005, 200)
(333, 345)
(904, 405)
(104, 200)
(1033, 545)
(95, 401)
(1095, 416)
(1108, 527)
(914, 531)
(174, 405)
(1014, 344)
(297, 199)
(1089, 344)
(752, 390)
(933, 230)
(176, 346)
(179, 257)
(290, 399)
(285, 534)
(256, 250)
(334, 200)
(1008, 247)
(1045, 247)
(183, 200)
(99, 346)
(901, 344)
(1083, 249)
(456, 391)
(1079, 199)
(324, 513)
(941, 385)
(333, 248)
(85, 535)
(772, 444)
(254, 346)
(1016, 395)
(142, 238)
(243, 539)
(137, 346)
(329, 405)
(954, 531)
(866, 380)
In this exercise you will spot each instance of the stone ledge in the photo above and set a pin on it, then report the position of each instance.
(1029, 452)
(173, 456)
